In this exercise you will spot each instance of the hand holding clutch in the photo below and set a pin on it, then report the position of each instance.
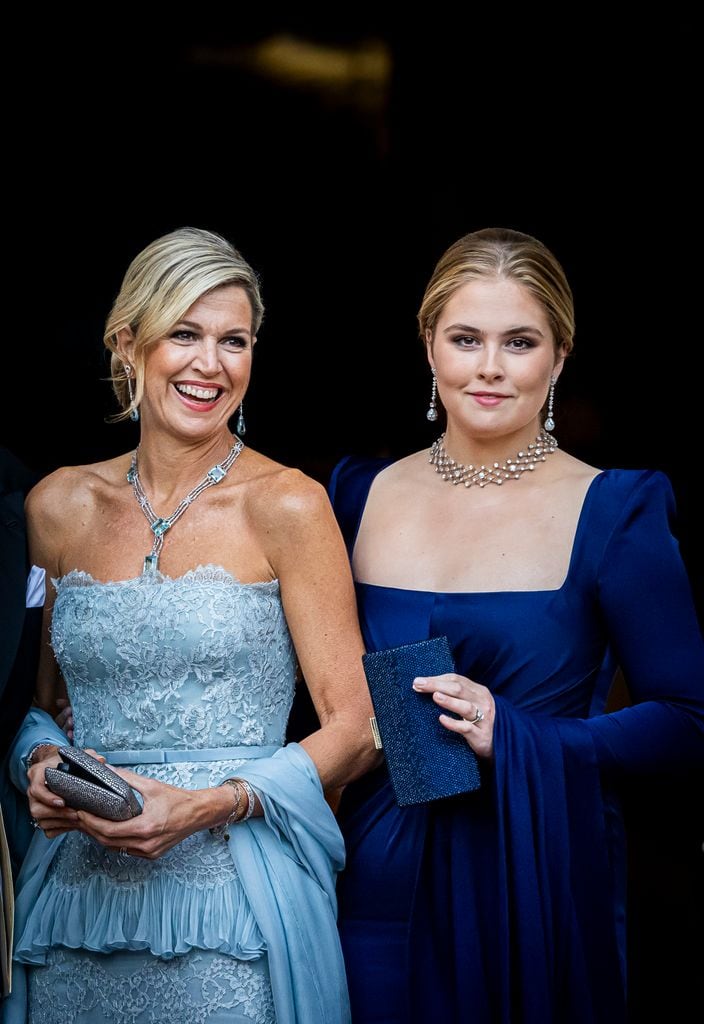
(88, 785)
(426, 761)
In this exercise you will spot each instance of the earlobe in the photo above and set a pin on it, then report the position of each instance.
(125, 344)
(559, 363)
(429, 348)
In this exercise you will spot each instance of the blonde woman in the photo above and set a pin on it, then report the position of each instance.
(544, 573)
(192, 576)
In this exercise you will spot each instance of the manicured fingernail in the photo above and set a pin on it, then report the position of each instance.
(418, 683)
(58, 803)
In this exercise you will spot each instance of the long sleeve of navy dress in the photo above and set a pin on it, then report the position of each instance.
(508, 904)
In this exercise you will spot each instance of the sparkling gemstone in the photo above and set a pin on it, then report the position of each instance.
(151, 563)
(160, 526)
(432, 415)
(549, 423)
(131, 473)
(216, 474)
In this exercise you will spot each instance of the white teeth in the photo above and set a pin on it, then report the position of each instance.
(189, 389)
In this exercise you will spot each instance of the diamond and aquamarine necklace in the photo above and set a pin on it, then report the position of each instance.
(159, 525)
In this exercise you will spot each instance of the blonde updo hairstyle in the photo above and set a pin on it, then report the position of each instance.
(502, 253)
(161, 283)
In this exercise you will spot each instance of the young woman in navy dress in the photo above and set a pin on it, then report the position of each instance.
(546, 574)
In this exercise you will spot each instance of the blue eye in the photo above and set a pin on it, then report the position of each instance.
(235, 341)
(465, 341)
(521, 344)
(183, 335)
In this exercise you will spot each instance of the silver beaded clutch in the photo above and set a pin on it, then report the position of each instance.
(87, 784)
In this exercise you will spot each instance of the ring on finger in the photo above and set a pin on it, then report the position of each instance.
(477, 718)
(34, 823)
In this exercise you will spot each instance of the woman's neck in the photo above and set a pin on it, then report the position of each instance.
(470, 448)
(170, 467)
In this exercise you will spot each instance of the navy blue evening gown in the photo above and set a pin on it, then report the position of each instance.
(508, 904)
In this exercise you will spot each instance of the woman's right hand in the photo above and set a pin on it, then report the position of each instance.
(47, 809)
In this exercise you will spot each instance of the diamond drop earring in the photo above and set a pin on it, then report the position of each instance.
(432, 413)
(241, 429)
(549, 421)
(134, 411)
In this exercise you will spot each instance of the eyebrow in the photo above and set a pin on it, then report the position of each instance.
(521, 329)
(198, 327)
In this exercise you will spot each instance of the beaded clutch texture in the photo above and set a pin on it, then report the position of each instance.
(87, 784)
(426, 761)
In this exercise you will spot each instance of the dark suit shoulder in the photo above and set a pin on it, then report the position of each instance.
(14, 475)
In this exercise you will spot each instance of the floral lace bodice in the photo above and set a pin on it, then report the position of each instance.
(196, 661)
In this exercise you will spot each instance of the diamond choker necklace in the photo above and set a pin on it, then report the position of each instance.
(160, 526)
(496, 472)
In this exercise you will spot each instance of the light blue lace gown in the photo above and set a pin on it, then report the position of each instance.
(189, 681)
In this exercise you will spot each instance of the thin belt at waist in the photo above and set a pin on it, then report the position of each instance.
(157, 756)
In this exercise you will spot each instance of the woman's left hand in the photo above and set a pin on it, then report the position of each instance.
(64, 717)
(471, 701)
(170, 814)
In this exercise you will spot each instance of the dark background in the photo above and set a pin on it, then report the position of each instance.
(342, 161)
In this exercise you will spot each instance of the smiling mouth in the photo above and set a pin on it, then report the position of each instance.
(206, 394)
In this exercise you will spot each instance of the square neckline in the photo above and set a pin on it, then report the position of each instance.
(576, 545)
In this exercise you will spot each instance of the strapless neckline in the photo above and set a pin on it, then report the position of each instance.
(209, 573)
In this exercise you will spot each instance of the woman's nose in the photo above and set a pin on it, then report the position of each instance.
(207, 357)
(490, 365)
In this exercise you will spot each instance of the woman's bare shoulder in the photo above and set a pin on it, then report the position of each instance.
(278, 494)
(70, 489)
(410, 471)
(572, 470)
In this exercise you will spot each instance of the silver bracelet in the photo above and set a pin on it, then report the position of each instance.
(223, 828)
(234, 817)
(251, 800)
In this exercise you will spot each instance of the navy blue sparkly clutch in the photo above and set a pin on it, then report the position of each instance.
(426, 761)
